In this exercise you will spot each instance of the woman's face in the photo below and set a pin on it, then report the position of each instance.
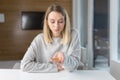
(56, 23)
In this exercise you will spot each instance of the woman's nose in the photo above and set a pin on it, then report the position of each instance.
(56, 24)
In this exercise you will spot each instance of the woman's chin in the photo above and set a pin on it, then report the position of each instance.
(56, 34)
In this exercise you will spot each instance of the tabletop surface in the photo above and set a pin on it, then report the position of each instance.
(16, 74)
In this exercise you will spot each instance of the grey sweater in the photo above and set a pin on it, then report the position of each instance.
(37, 57)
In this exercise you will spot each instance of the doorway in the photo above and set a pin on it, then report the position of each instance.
(101, 34)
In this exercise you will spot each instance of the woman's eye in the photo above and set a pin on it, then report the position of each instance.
(60, 21)
(52, 21)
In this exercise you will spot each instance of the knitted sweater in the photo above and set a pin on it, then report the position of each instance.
(37, 57)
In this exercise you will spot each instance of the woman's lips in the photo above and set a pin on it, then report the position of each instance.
(57, 30)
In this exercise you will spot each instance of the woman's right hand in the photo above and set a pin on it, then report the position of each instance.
(59, 66)
(58, 58)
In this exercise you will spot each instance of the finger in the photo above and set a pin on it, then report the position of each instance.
(55, 55)
(62, 57)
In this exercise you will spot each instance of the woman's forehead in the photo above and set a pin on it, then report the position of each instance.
(55, 14)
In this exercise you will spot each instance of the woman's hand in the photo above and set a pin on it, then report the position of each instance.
(59, 66)
(58, 58)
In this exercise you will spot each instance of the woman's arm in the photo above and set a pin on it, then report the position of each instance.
(71, 59)
(29, 63)
(73, 56)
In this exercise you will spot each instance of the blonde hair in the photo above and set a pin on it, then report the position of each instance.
(66, 33)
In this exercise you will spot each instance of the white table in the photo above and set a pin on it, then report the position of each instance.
(14, 74)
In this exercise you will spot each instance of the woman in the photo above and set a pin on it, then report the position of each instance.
(57, 48)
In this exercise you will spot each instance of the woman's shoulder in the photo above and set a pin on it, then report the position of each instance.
(39, 36)
(74, 32)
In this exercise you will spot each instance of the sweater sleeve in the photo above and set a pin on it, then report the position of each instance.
(73, 56)
(29, 64)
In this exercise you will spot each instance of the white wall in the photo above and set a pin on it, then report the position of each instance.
(84, 18)
(114, 63)
(113, 28)
(80, 19)
(80, 22)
